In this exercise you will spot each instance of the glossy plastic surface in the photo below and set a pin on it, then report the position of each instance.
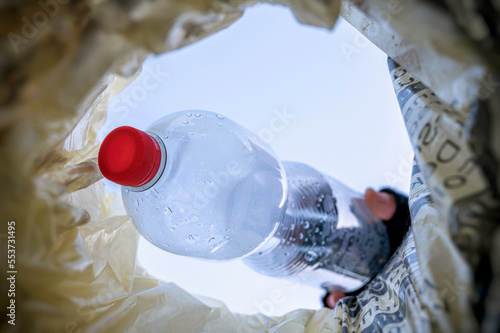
(328, 235)
(221, 194)
(129, 157)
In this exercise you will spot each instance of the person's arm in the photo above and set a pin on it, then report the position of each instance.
(392, 208)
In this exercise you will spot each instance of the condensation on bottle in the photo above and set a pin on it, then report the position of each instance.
(197, 184)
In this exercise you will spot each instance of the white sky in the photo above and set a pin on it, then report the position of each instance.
(343, 119)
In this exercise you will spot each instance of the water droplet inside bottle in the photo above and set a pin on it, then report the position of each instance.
(306, 224)
(220, 124)
(218, 246)
(310, 256)
(301, 236)
(286, 253)
(211, 239)
(137, 203)
(186, 122)
(191, 237)
(316, 230)
(220, 116)
(172, 228)
(189, 114)
(197, 114)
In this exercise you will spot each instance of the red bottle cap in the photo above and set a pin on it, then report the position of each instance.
(129, 157)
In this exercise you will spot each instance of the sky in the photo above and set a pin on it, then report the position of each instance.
(320, 97)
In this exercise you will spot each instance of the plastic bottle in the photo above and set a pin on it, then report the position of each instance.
(198, 184)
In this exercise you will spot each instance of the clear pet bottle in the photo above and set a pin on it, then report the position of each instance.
(197, 184)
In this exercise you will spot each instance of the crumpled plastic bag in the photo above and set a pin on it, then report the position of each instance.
(75, 267)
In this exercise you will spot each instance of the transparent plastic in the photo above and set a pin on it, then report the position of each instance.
(328, 235)
(221, 193)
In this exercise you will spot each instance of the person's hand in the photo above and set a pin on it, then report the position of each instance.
(382, 205)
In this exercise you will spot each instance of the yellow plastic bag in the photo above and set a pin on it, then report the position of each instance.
(74, 267)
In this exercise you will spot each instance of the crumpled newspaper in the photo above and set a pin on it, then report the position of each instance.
(75, 268)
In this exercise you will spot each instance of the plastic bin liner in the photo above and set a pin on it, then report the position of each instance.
(71, 264)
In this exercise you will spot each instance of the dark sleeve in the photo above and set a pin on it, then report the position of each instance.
(400, 223)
